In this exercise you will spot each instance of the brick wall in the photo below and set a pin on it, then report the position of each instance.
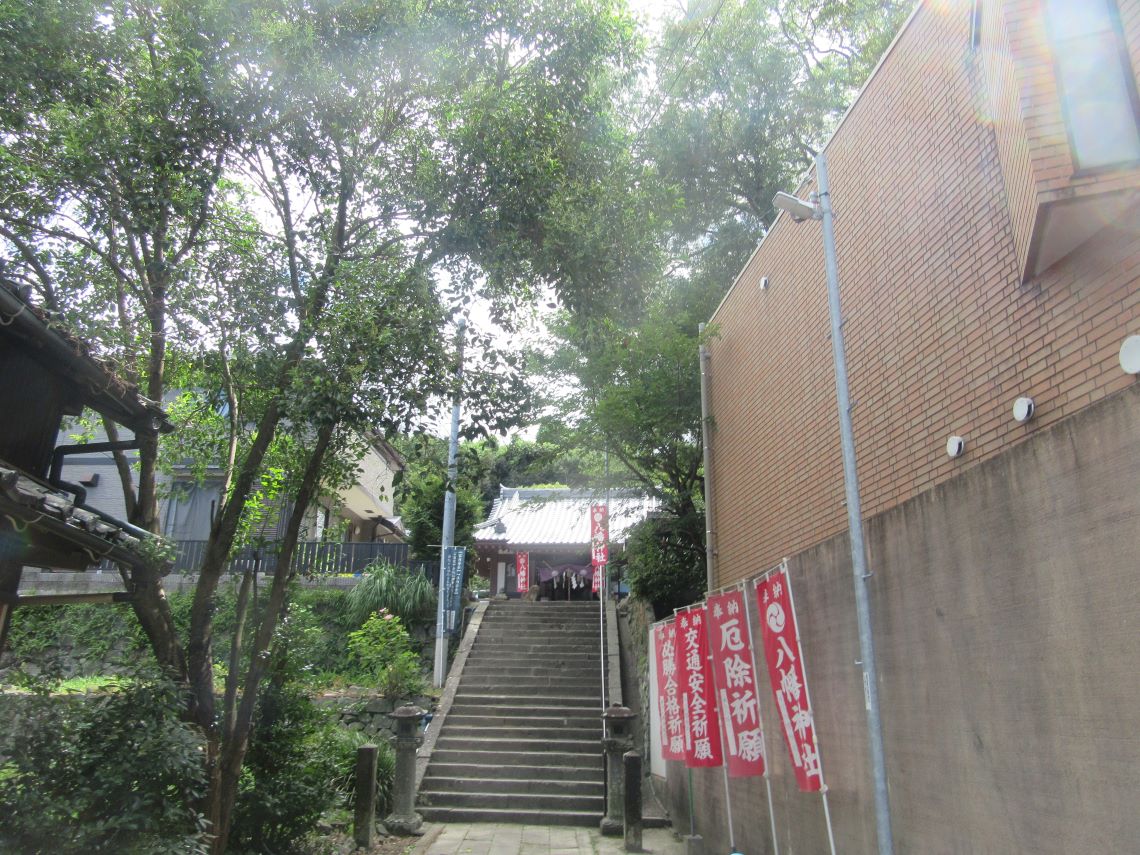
(1007, 622)
(942, 332)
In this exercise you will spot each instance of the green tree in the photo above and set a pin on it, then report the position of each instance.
(400, 159)
(743, 93)
(421, 511)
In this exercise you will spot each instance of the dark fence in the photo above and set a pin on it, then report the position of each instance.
(312, 558)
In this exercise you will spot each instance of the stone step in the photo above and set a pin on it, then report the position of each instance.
(520, 729)
(513, 774)
(539, 799)
(470, 755)
(525, 718)
(546, 783)
(513, 634)
(511, 815)
(447, 742)
(546, 605)
(525, 685)
(525, 651)
(529, 639)
(539, 630)
(522, 740)
(565, 668)
(507, 702)
(538, 681)
(524, 696)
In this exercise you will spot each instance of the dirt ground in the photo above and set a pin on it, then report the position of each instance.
(342, 844)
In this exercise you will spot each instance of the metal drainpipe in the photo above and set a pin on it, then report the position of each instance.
(710, 553)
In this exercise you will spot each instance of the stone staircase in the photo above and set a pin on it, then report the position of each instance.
(522, 740)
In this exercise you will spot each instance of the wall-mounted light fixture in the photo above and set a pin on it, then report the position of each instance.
(955, 446)
(1023, 410)
(763, 283)
(1130, 355)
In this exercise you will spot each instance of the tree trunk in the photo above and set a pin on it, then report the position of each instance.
(235, 741)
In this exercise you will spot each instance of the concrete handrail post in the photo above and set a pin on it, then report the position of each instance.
(404, 819)
(618, 740)
(632, 771)
(364, 825)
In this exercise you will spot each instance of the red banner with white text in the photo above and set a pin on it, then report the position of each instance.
(734, 675)
(786, 674)
(698, 699)
(668, 693)
(522, 572)
(599, 542)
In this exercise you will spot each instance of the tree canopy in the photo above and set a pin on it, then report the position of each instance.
(280, 208)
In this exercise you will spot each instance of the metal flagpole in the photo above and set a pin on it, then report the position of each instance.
(759, 716)
(723, 737)
(440, 671)
(688, 768)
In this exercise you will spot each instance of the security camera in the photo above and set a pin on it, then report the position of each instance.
(794, 205)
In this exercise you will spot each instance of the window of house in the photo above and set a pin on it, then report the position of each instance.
(1098, 89)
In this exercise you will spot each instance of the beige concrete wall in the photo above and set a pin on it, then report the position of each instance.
(1006, 607)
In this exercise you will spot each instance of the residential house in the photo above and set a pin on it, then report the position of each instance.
(340, 534)
(45, 375)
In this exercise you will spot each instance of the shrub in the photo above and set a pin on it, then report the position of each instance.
(383, 651)
(115, 771)
(346, 744)
(662, 567)
(408, 595)
(291, 774)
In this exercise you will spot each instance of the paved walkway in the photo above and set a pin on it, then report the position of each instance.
(501, 839)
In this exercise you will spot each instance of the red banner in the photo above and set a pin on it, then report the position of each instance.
(698, 697)
(668, 695)
(734, 675)
(786, 674)
(599, 542)
(522, 571)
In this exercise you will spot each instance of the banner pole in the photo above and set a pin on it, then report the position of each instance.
(724, 749)
(728, 804)
(807, 697)
(759, 716)
(827, 816)
(692, 816)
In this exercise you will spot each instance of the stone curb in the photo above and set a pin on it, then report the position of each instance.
(450, 687)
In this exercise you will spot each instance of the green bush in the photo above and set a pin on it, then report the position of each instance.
(382, 649)
(347, 743)
(662, 566)
(293, 773)
(408, 595)
(93, 637)
(115, 771)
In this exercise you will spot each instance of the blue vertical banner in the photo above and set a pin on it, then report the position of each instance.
(451, 587)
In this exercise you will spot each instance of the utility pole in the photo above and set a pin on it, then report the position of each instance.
(440, 672)
(819, 208)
